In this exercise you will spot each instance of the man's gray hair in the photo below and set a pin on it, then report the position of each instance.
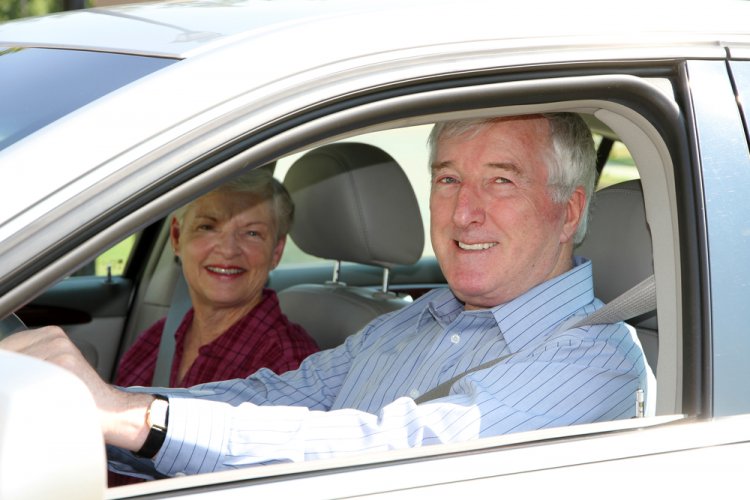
(259, 183)
(572, 161)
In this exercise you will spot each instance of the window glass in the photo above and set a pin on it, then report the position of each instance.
(619, 166)
(42, 85)
(408, 146)
(112, 261)
(116, 258)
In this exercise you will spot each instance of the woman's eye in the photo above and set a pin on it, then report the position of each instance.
(254, 234)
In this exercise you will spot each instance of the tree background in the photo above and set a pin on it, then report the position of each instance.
(13, 9)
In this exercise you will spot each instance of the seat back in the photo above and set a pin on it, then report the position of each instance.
(353, 203)
(618, 243)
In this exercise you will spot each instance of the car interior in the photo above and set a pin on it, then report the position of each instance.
(354, 203)
(360, 244)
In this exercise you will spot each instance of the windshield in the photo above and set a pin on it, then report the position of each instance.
(41, 85)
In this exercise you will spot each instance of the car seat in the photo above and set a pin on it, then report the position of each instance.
(353, 203)
(618, 243)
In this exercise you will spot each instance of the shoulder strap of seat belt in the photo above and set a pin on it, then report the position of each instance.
(179, 306)
(443, 389)
(638, 300)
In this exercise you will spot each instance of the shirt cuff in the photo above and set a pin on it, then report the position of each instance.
(196, 436)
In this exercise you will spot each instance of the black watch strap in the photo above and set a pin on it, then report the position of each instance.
(158, 429)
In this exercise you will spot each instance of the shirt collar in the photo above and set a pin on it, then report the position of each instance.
(257, 319)
(530, 315)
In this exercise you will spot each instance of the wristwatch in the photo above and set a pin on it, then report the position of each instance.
(157, 419)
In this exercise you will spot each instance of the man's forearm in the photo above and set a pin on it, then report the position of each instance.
(124, 421)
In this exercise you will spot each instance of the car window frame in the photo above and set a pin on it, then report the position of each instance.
(511, 95)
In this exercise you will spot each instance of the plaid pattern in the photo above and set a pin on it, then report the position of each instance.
(263, 338)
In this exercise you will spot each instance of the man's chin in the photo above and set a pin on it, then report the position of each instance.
(475, 297)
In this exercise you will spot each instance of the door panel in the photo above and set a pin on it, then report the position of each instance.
(91, 309)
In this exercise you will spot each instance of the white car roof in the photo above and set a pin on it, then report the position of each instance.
(179, 28)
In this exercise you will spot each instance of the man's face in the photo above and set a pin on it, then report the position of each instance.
(495, 229)
(227, 244)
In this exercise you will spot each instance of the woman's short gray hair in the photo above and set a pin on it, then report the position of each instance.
(260, 183)
(572, 161)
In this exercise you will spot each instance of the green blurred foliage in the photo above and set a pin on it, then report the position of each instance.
(13, 9)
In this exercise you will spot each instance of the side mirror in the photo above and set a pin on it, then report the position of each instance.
(51, 445)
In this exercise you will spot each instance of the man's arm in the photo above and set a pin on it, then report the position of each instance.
(122, 415)
(582, 377)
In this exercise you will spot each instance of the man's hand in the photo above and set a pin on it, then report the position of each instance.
(122, 414)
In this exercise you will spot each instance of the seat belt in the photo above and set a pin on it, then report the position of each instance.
(179, 306)
(640, 299)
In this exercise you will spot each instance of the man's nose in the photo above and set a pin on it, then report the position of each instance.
(469, 208)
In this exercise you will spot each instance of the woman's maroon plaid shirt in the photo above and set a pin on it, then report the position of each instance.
(263, 338)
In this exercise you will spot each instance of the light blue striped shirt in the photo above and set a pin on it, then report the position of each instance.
(360, 396)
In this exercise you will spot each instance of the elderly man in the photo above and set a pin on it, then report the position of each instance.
(508, 202)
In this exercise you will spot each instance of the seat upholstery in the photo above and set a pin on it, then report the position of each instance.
(618, 243)
(353, 203)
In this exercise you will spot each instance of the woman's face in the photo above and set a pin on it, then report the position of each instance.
(227, 244)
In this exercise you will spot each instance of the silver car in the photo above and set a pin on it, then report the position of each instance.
(112, 117)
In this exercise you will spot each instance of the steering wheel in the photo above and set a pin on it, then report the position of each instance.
(10, 325)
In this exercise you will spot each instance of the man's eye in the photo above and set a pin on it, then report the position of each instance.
(447, 180)
(502, 180)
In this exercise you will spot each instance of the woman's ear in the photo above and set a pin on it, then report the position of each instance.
(174, 235)
(278, 252)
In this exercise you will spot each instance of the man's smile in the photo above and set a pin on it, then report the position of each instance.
(475, 246)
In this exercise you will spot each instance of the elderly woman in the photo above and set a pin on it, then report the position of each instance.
(228, 241)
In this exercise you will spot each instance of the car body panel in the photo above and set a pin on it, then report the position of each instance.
(658, 453)
(726, 180)
(93, 310)
(180, 29)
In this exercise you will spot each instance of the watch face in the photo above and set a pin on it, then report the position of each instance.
(157, 414)
(157, 419)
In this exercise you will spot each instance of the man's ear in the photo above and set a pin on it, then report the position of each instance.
(174, 236)
(574, 208)
(278, 251)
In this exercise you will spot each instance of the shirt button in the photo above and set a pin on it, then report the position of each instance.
(455, 338)
(414, 394)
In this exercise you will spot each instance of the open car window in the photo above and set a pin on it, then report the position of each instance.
(408, 145)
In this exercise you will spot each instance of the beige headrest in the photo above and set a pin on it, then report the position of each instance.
(618, 241)
(354, 203)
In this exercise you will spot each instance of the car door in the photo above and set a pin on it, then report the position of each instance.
(656, 450)
(94, 304)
